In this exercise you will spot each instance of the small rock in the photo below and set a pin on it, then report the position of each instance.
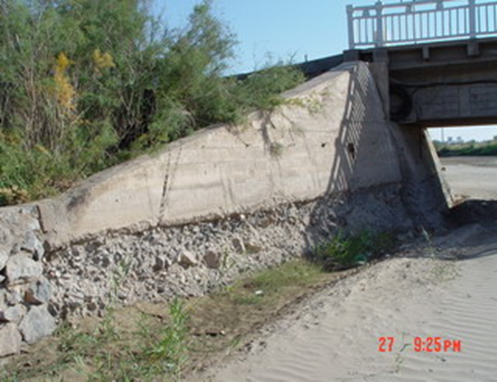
(266, 222)
(38, 323)
(92, 306)
(10, 340)
(104, 262)
(161, 263)
(187, 259)
(22, 266)
(75, 297)
(13, 314)
(2, 279)
(122, 295)
(238, 244)
(54, 309)
(292, 220)
(252, 247)
(154, 238)
(213, 259)
(39, 292)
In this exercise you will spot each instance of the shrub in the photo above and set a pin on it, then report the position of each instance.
(486, 148)
(86, 84)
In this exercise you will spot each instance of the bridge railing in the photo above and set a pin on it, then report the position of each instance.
(415, 21)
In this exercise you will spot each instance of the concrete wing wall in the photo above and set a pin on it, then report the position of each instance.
(329, 136)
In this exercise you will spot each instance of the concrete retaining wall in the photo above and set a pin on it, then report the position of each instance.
(212, 206)
(331, 136)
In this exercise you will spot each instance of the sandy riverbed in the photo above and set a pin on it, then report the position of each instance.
(474, 177)
(336, 335)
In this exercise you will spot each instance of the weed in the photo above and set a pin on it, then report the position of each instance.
(432, 251)
(399, 358)
(228, 262)
(107, 329)
(118, 276)
(76, 344)
(170, 350)
(443, 270)
(346, 251)
(235, 342)
(251, 299)
(262, 287)
(311, 103)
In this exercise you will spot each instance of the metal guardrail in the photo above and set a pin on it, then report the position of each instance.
(420, 21)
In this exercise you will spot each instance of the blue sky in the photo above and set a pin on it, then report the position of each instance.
(316, 28)
(288, 28)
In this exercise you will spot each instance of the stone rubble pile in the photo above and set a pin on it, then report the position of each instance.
(167, 262)
(25, 293)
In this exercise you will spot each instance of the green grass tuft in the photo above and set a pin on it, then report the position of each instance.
(347, 251)
(169, 352)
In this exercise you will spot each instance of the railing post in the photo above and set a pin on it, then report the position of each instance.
(379, 24)
(472, 18)
(350, 16)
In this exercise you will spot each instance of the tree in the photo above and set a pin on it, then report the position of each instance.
(85, 84)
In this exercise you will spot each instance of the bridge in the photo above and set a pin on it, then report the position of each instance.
(434, 61)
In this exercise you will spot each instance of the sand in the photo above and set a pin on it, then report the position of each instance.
(335, 336)
(474, 177)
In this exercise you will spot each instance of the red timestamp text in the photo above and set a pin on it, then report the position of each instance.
(423, 345)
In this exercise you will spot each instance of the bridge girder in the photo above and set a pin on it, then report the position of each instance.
(438, 84)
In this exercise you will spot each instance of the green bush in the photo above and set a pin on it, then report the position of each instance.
(487, 148)
(85, 85)
(347, 251)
